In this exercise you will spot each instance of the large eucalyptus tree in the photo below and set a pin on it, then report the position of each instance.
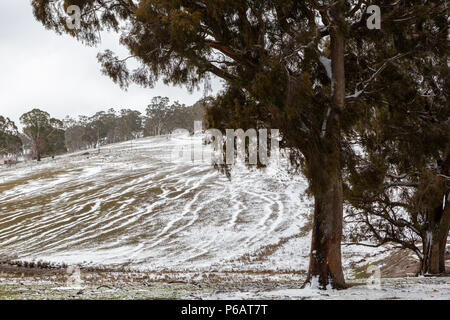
(304, 67)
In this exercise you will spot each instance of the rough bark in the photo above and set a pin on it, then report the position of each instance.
(325, 257)
(435, 242)
(442, 237)
(442, 250)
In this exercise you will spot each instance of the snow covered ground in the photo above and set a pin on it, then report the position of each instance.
(143, 205)
(389, 289)
(138, 205)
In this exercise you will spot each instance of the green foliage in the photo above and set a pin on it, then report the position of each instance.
(45, 134)
(271, 53)
(362, 272)
(268, 52)
(164, 118)
(113, 126)
(102, 128)
(398, 187)
(10, 142)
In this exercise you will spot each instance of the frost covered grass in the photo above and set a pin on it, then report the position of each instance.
(137, 285)
(133, 214)
(132, 205)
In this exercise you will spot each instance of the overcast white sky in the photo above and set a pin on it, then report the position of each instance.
(39, 69)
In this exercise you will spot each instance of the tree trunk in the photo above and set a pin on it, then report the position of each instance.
(435, 241)
(444, 226)
(443, 233)
(431, 251)
(323, 162)
(442, 250)
(325, 267)
(38, 154)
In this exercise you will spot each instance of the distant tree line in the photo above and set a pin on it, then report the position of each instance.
(44, 136)
(10, 142)
(163, 117)
(104, 127)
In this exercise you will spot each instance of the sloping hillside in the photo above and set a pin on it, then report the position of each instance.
(137, 205)
(155, 209)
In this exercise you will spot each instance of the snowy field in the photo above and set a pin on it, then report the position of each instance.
(139, 206)
(136, 205)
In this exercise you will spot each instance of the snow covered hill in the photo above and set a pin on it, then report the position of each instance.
(140, 205)
(158, 209)
(135, 205)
